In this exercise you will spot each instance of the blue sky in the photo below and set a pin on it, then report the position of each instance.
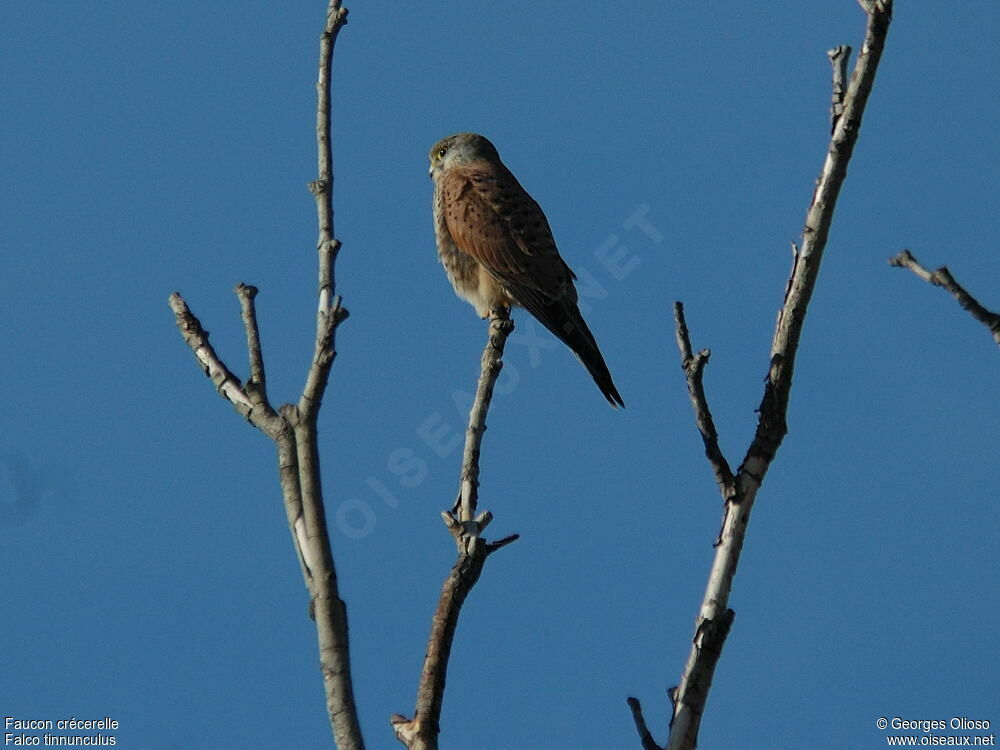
(148, 571)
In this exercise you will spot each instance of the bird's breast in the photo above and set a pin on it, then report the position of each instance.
(469, 278)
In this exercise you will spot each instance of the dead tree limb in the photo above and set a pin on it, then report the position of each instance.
(715, 618)
(942, 277)
(421, 732)
(645, 736)
(694, 368)
(292, 427)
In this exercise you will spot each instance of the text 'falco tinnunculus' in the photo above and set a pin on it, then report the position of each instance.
(498, 250)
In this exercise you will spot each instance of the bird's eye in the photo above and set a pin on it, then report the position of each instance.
(442, 152)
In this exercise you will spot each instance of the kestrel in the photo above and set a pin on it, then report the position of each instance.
(497, 248)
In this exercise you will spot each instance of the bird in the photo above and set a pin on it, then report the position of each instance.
(497, 248)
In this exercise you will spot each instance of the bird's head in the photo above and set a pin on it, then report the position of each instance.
(459, 149)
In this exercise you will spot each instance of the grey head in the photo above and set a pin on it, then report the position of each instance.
(459, 149)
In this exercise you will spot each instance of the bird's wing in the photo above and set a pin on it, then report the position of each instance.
(493, 219)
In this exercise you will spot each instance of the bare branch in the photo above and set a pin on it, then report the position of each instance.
(322, 186)
(492, 362)
(942, 277)
(196, 338)
(492, 547)
(640, 726)
(329, 313)
(294, 428)
(328, 609)
(772, 427)
(421, 732)
(694, 367)
(257, 384)
(324, 353)
(715, 617)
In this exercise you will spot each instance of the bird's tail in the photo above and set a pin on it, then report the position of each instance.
(566, 322)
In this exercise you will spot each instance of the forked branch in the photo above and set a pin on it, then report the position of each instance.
(293, 426)
(421, 732)
(715, 618)
(694, 370)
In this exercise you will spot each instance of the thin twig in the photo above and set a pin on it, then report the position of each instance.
(247, 294)
(322, 186)
(492, 547)
(421, 732)
(694, 368)
(942, 277)
(329, 313)
(492, 361)
(715, 617)
(648, 743)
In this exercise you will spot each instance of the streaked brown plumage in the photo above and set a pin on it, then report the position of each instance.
(497, 247)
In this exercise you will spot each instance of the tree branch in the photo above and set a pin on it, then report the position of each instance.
(694, 368)
(492, 362)
(942, 277)
(196, 337)
(328, 609)
(715, 618)
(322, 186)
(293, 426)
(256, 386)
(421, 732)
(640, 726)
(329, 313)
